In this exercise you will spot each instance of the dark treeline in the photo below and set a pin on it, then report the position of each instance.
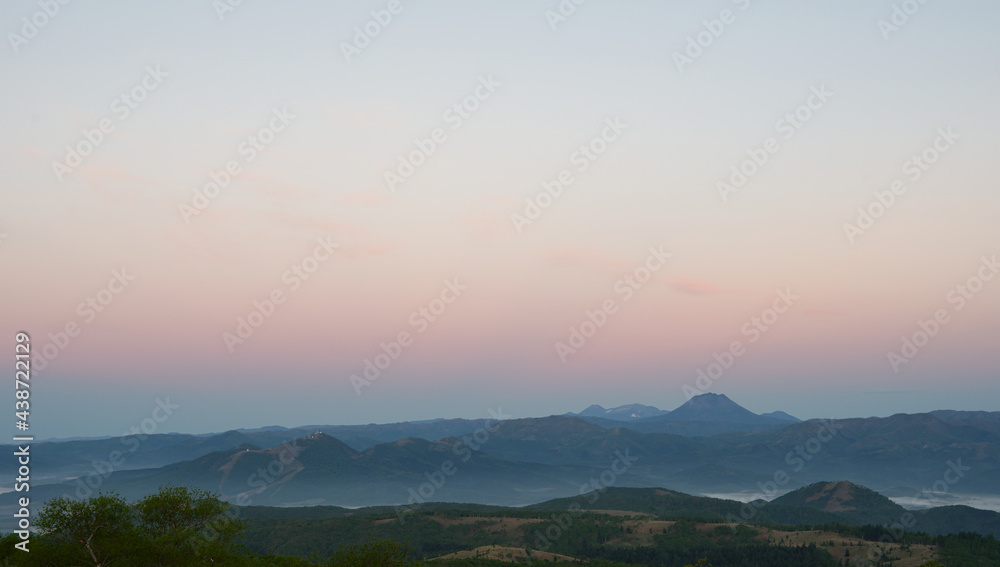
(963, 549)
(183, 527)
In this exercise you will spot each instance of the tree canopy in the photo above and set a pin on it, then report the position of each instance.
(175, 527)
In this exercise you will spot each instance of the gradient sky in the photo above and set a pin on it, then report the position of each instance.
(655, 186)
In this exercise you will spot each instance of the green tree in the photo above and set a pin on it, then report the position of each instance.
(374, 553)
(175, 527)
(178, 521)
(94, 530)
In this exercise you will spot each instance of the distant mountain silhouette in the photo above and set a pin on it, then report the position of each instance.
(628, 412)
(985, 420)
(703, 415)
(723, 448)
(781, 415)
(713, 407)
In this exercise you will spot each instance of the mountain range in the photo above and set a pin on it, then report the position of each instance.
(519, 462)
(827, 502)
(702, 415)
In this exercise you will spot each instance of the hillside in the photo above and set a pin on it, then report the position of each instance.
(321, 470)
(633, 527)
(526, 461)
(852, 503)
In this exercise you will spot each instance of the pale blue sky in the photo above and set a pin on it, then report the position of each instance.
(655, 186)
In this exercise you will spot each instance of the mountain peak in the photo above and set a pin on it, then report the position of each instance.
(782, 416)
(711, 396)
(593, 411)
(315, 442)
(843, 497)
(713, 407)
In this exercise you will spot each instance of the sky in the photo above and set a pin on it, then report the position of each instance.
(237, 209)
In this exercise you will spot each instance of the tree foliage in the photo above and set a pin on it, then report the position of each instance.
(176, 527)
